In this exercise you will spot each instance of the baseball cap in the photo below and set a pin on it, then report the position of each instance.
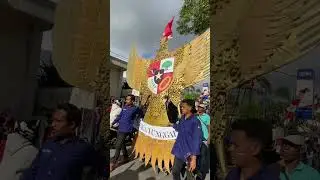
(202, 105)
(295, 139)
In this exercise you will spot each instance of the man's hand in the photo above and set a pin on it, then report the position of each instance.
(193, 163)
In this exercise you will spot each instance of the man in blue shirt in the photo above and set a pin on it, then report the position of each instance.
(64, 156)
(187, 145)
(126, 120)
(250, 140)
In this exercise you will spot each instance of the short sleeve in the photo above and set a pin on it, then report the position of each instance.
(207, 120)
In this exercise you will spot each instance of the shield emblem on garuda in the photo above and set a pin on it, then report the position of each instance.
(160, 75)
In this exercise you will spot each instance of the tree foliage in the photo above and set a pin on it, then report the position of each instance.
(283, 92)
(194, 17)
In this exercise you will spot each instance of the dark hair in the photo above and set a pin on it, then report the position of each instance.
(73, 113)
(190, 103)
(132, 97)
(256, 129)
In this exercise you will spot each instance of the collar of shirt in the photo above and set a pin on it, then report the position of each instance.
(190, 117)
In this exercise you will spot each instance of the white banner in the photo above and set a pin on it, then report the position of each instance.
(157, 132)
(305, 85)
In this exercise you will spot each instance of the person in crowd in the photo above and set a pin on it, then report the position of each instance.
(292, 166)
(115, 112)
(19, 151)
(188, 142)
(205, 121)
(64, 155)
(250, 142)
(172, 110)
(126, 121)
(205, 126)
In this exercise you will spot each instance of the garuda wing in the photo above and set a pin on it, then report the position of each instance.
(195, 64)
(283, 31)
(80, 40)
(136, 70)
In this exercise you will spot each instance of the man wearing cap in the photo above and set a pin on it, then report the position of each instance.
(204, 119)
(292, 167)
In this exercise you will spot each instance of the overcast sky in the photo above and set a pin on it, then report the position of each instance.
(141, 22)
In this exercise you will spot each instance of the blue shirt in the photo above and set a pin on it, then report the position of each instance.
(264, 174)
(61, 160)
(302, 172)
(189, 138)
(126, 118)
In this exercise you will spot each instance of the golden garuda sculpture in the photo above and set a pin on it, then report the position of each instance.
(81, 48)
(167, 74)
(251, 38)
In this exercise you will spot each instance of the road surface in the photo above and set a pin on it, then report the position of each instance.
(136, 170)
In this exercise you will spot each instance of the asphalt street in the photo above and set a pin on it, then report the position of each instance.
(136, 170)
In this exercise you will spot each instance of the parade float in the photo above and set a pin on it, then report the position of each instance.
(252, 38)
(165, 75)
(81, 49)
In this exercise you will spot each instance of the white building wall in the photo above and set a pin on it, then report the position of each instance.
(116, 79)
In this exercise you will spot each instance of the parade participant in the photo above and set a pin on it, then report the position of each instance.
(187, 145)
(64, 155)
(19, 151)
(115, 111)
(292, 166)
(205, 121)
(249, 140)
(126, 121)
(204, 151)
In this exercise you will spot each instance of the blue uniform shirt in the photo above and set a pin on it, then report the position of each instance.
(126, 118)
(265, 173)
(189, 138)
(62, 160)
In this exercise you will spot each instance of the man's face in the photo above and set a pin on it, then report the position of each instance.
(185, 109)
(290, 152)
(129, 100)
(243, 149)
(201, 110)
(60, 125)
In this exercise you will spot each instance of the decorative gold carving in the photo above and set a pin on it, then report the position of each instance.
(191, 65)
(251, 38)
(81, 49)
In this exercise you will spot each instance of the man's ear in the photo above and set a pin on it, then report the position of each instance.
(73, 125)
(256, 148)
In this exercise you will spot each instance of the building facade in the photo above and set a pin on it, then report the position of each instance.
(116, 76)
(20, 44)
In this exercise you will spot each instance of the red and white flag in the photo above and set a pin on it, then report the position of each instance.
(167, 33)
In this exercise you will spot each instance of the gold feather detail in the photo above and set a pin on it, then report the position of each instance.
(80, 40)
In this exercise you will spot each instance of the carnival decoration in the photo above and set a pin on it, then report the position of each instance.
(81, 47)
(251, 38)
(168, 74)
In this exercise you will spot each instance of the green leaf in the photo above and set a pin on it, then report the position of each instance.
(167, 64)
